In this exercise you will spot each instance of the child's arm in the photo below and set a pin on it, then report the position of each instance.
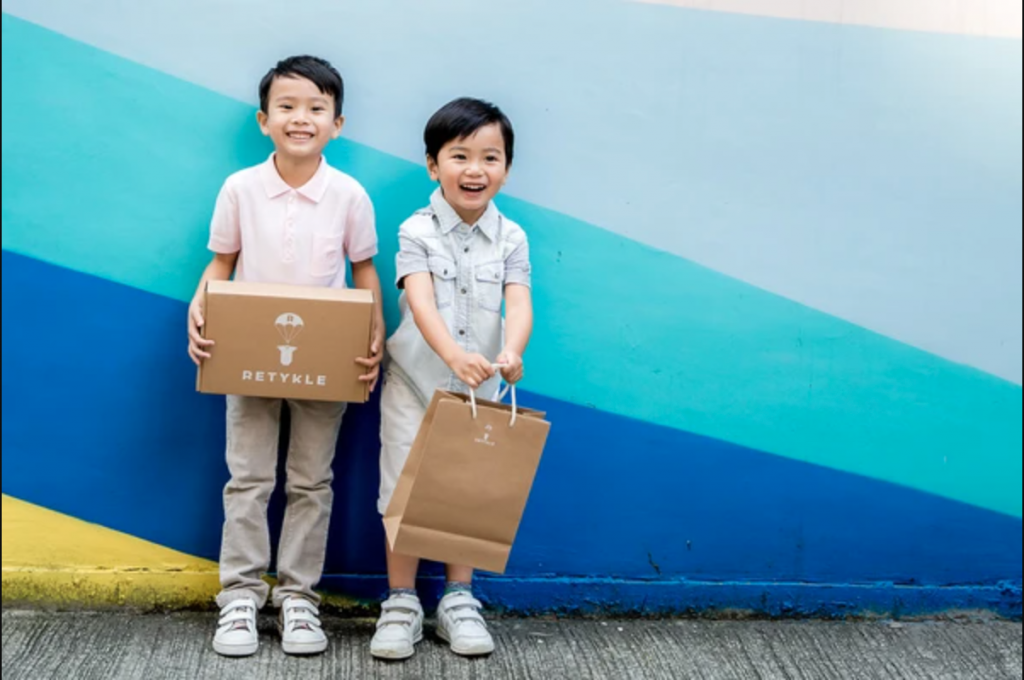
(364, 275)
(221, 268)
(518, 328)
(472, 369)
(518, 310)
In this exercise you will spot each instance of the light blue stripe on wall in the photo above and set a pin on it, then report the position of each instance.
(117, 178)
(882, 167)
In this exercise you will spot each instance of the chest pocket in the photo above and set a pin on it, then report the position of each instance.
(326, 258)
(490, 285)
(444, 273)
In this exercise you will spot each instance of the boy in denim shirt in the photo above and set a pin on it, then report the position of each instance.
(459, 260)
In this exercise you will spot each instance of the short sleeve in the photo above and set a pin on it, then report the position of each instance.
(361, 230)
(517, 265)
(225, 228)
(412, 255)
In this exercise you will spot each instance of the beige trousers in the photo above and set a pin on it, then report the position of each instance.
(253, 426)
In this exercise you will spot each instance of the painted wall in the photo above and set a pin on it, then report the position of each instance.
(778, 282)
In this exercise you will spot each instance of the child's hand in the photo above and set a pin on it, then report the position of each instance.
(197, 344)
(512, 367)
(372, 364)
(472, 369)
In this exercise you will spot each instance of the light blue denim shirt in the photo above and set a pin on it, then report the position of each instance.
(471, 265)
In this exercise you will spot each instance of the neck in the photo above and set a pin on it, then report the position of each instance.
(469, 217)
(296, 172)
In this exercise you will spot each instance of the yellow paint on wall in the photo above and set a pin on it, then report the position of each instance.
(53, 560)
(50, 559)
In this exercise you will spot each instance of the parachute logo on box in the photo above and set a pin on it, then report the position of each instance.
(289, 326)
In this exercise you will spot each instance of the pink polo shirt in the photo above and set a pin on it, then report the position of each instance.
(293, 236)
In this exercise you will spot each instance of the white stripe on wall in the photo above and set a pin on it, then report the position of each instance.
(984, 18)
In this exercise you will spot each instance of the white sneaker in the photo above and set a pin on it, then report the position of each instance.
(301, 630)
(399, 629)
(460, 624)
(236, 630)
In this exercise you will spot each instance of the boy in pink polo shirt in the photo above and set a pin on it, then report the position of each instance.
(292, 220)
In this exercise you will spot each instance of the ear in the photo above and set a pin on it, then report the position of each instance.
(262, 118)
(435, 173)
(339, 123)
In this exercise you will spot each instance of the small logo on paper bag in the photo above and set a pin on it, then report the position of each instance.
(486, 440)
(289, 326)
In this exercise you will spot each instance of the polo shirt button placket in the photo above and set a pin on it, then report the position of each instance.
(289, 229)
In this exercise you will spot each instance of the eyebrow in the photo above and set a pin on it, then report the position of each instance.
(290, 98)
(492, 149)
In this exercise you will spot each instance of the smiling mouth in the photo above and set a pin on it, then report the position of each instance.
(300, 136)
(473, 188)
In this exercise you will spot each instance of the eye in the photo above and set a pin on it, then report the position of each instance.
(459, 156)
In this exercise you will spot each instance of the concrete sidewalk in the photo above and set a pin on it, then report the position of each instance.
(123, 646)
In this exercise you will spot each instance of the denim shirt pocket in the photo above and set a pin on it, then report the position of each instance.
(490, 285)
(445, 275)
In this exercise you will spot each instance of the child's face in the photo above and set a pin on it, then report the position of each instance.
(299, 119)
(471, 171)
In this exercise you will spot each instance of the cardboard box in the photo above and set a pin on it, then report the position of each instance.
(289, 342)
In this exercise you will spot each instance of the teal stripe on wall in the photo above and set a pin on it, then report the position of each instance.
(112, 169)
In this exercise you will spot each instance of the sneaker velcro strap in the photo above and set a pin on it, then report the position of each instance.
(298, 604)
(462, 600)
(302, 620)
(397, 617)
(401, 604)
(238, 604)
(235, 615)
(463, 615)
(296, 617)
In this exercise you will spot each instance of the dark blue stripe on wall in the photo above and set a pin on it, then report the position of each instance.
(101, 421)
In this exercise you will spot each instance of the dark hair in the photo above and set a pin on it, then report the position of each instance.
(318, 71)
(459, 119)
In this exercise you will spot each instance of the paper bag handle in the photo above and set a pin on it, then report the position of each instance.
(501, 395)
